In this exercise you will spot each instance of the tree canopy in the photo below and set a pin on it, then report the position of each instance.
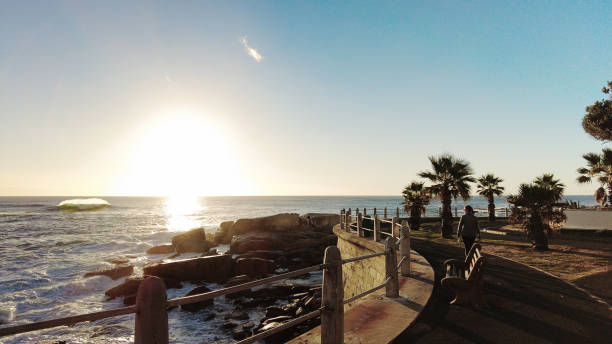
(597, 122)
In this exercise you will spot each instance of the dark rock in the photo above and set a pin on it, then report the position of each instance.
(192, 241)
(253, 267)
(321, 221)
(211, 252)
(272, 255)
(224, 233)
(114, 273)
(208, 269)
(274, 311)
(194, 307)
(129, 300)
(248, 325)
(240, 333)
(256, 241)
(161, 249)
(239, 315)
(119, 261)
(128, 287)
(210, 316)
(299, 311)
(172, 283)
(229, 324)
(279, 319)
(274, 223)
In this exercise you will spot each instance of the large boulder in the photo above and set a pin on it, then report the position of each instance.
(321, 221)
(208, 269)
(192, 241)
(256, 241)
(114, 272)
(274, 223)
(161, 249)
(129, 287)
(253, 267)
(224, 233)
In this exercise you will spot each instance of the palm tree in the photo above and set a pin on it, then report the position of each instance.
(530, 207)
(416, 197)
(599, 166)
(450, 177)
(488, 186)
(548, 181)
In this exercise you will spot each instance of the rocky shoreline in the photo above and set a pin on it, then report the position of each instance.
(258, 247)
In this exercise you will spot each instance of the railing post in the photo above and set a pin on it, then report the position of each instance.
(332, 298)
(151, 324)
(376, 227)
(385, 213)
(348, 220)
(397, 212)
(456, 212)
(374, 211)
(342, 219)
(394, 226)
(506, 212)
(405, 248)
(359, 224)
(392, 288)
(364, 212)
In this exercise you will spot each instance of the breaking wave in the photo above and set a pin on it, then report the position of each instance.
(81, 204)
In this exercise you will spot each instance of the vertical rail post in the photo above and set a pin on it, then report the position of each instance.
(392, 288)
(405, 248)
(359, 225)
(374, 211)
(342, 219)
(397, 212)
(364, 211)
(376, 227)
(385, 213)
(332, 314)
(348, 220)
(394, 227)
(506, 212)
(456, 212)
(424, 212)
(151, 324)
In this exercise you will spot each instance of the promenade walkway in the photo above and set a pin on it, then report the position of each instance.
(525, 305)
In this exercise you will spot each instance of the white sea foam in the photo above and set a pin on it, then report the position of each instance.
(7, 314)
(83, 204)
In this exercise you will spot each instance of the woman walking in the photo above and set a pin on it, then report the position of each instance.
(468, 228)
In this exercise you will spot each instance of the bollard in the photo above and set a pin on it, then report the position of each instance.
(392, 288)
(359, 225)
(332, 297)
(376, 228)
(405, 248)
(151, 324)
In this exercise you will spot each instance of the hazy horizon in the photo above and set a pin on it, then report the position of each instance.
(293, 98)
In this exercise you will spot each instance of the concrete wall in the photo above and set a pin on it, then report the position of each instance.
(364, 274)
(588, 219)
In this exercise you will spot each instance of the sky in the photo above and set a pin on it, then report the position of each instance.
(293, 97)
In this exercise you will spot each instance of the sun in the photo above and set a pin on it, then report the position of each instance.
(183, 155)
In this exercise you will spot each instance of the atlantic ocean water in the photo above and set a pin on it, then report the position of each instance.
(44, 253)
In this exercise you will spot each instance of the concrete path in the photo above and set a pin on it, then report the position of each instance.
(525, 305)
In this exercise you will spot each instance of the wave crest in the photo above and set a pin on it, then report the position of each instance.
(80, 204)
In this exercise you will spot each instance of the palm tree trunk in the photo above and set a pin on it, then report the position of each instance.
(536, 229)
(415, 218)
(447, 215)
(491, 209)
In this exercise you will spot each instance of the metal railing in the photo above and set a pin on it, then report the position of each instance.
(151, 309)
(387, 212)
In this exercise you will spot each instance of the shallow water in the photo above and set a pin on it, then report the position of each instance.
(45, 252)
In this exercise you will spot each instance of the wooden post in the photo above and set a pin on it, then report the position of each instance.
(376, 228)
(332, 297)
(456, 212)
(342, 219)
(394, 227)
(397, 212)
(348, 220)
(364, 212)
(405, 248)
(359, 224)
(506, 212)
(151, 324)
(375, 211)
(424, 212)
(385, 213)
(392, 288)
(440, 211)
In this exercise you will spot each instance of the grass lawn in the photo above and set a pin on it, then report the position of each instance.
(583, 259)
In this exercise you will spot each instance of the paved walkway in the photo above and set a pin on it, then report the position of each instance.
(524, 306)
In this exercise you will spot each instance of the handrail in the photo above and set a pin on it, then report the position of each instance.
(230, 290)
(354, 259)
(369, 291)
(399, 265)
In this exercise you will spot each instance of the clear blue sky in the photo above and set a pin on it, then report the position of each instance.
(120, 98)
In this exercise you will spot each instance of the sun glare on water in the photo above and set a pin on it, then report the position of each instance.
(183, 156)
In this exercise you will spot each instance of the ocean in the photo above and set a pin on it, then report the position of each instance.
(45, 252)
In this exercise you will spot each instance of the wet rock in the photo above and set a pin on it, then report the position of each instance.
(172, 283)
(274, 311)
(269, 326)
(114, 273)
(211, 252)
(128, 287)
(208, 269)
(299, 311)
(274, 223)
(194, 307)
(256, 241)
(224, 233)
(129, 300)
(239, 315)
(161, 249)
(229, 324)
(210, 317)
(253, 267)
(248, 325)
(272, 255)
(119, 261)
(240, 333)
(192, 241)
